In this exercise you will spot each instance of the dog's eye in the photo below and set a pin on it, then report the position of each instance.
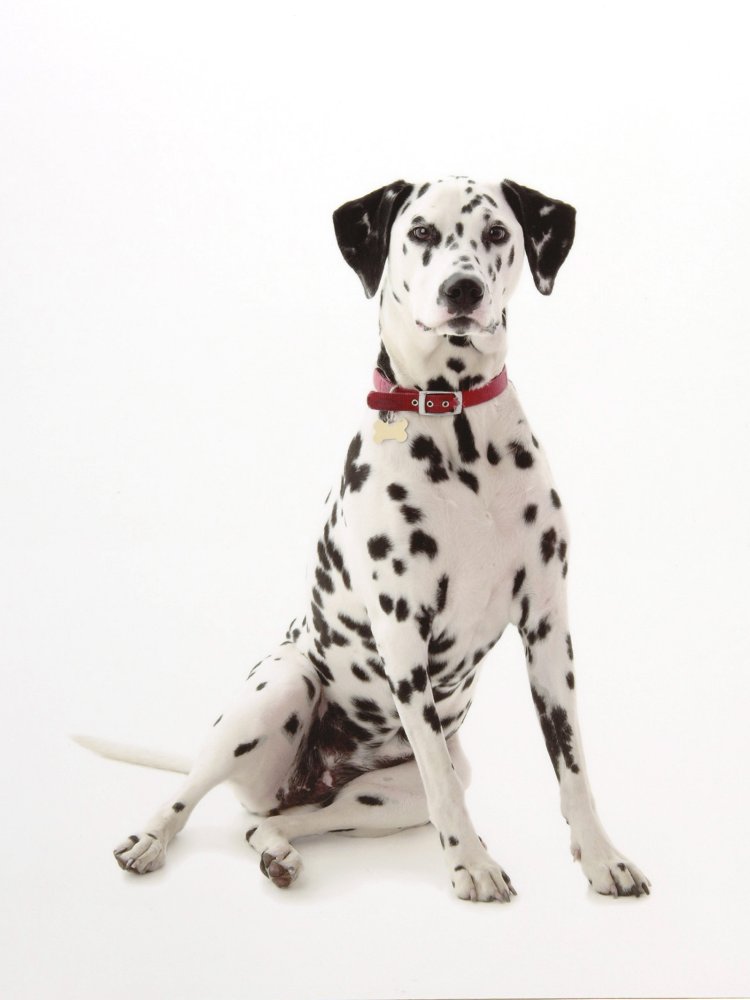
(497, 233)
(420, 233)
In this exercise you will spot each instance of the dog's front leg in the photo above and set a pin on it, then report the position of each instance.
(543, 624)
(474, 874)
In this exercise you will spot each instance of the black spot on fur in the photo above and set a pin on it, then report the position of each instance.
(398, 567)
(254, 668)
(493, 456)
(362, 629)
(402, 610)
(471, 205)
(386, 603)
(359, 673)
(518, 580)
(368, 710)
(321, 669)
(524, 611)
(453, 841)
(556, 502)
(423, 447)
(245, 748)
(404, 691)
(355, 476)
(261, 685)
(424, 619)
(377, 667)
(467, 448)
(292, 724)
(379, 546)
(420, 541)
(569, 644)
(456, 365)
(322, 555)
(564, 736)
(336, 557)
(442, 593)
(570, 679)
(529, 513)
(468, 479)
(177, 807)
(431, 717)
(324, 580)
(558, 734)
(543, 629)
(439, 644)
(396, 492)
(411, 514)
(523, 458)
(370, 800)
(419, 678)
(547, 544)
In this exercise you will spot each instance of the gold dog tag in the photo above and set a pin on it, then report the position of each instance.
(395, 431)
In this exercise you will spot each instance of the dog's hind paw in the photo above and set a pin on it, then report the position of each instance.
(140, 853)
(279, 861)
(282, 869)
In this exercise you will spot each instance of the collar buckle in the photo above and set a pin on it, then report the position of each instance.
(432, 407)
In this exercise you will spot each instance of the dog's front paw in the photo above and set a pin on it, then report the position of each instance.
(611, 874)
(482, 882)
(140, 853)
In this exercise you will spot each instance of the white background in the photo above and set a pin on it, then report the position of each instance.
(168, 265)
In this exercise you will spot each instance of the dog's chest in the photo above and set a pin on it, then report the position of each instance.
(430, 533)
(461, 482)
(449, 502)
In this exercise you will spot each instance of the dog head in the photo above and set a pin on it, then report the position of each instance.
(453, 253)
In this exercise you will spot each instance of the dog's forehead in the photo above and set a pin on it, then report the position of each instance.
(455, 198)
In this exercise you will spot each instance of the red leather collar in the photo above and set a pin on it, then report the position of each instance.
(429, 402)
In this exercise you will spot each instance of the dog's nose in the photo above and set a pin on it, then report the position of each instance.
(462, 294)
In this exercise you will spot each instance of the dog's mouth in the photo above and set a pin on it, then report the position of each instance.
(460, 327)
(465, 326)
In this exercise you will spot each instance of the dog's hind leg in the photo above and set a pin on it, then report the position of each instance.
(253, 744)
(374, 804)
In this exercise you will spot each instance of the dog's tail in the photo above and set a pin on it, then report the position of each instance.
(159, 759)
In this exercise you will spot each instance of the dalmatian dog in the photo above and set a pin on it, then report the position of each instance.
(445, 528)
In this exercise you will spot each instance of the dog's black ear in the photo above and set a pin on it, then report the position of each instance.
(548, 230)
(363, 229)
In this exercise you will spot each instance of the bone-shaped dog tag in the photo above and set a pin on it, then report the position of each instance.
(395, 431)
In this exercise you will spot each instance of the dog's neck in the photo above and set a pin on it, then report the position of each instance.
(410, 356)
